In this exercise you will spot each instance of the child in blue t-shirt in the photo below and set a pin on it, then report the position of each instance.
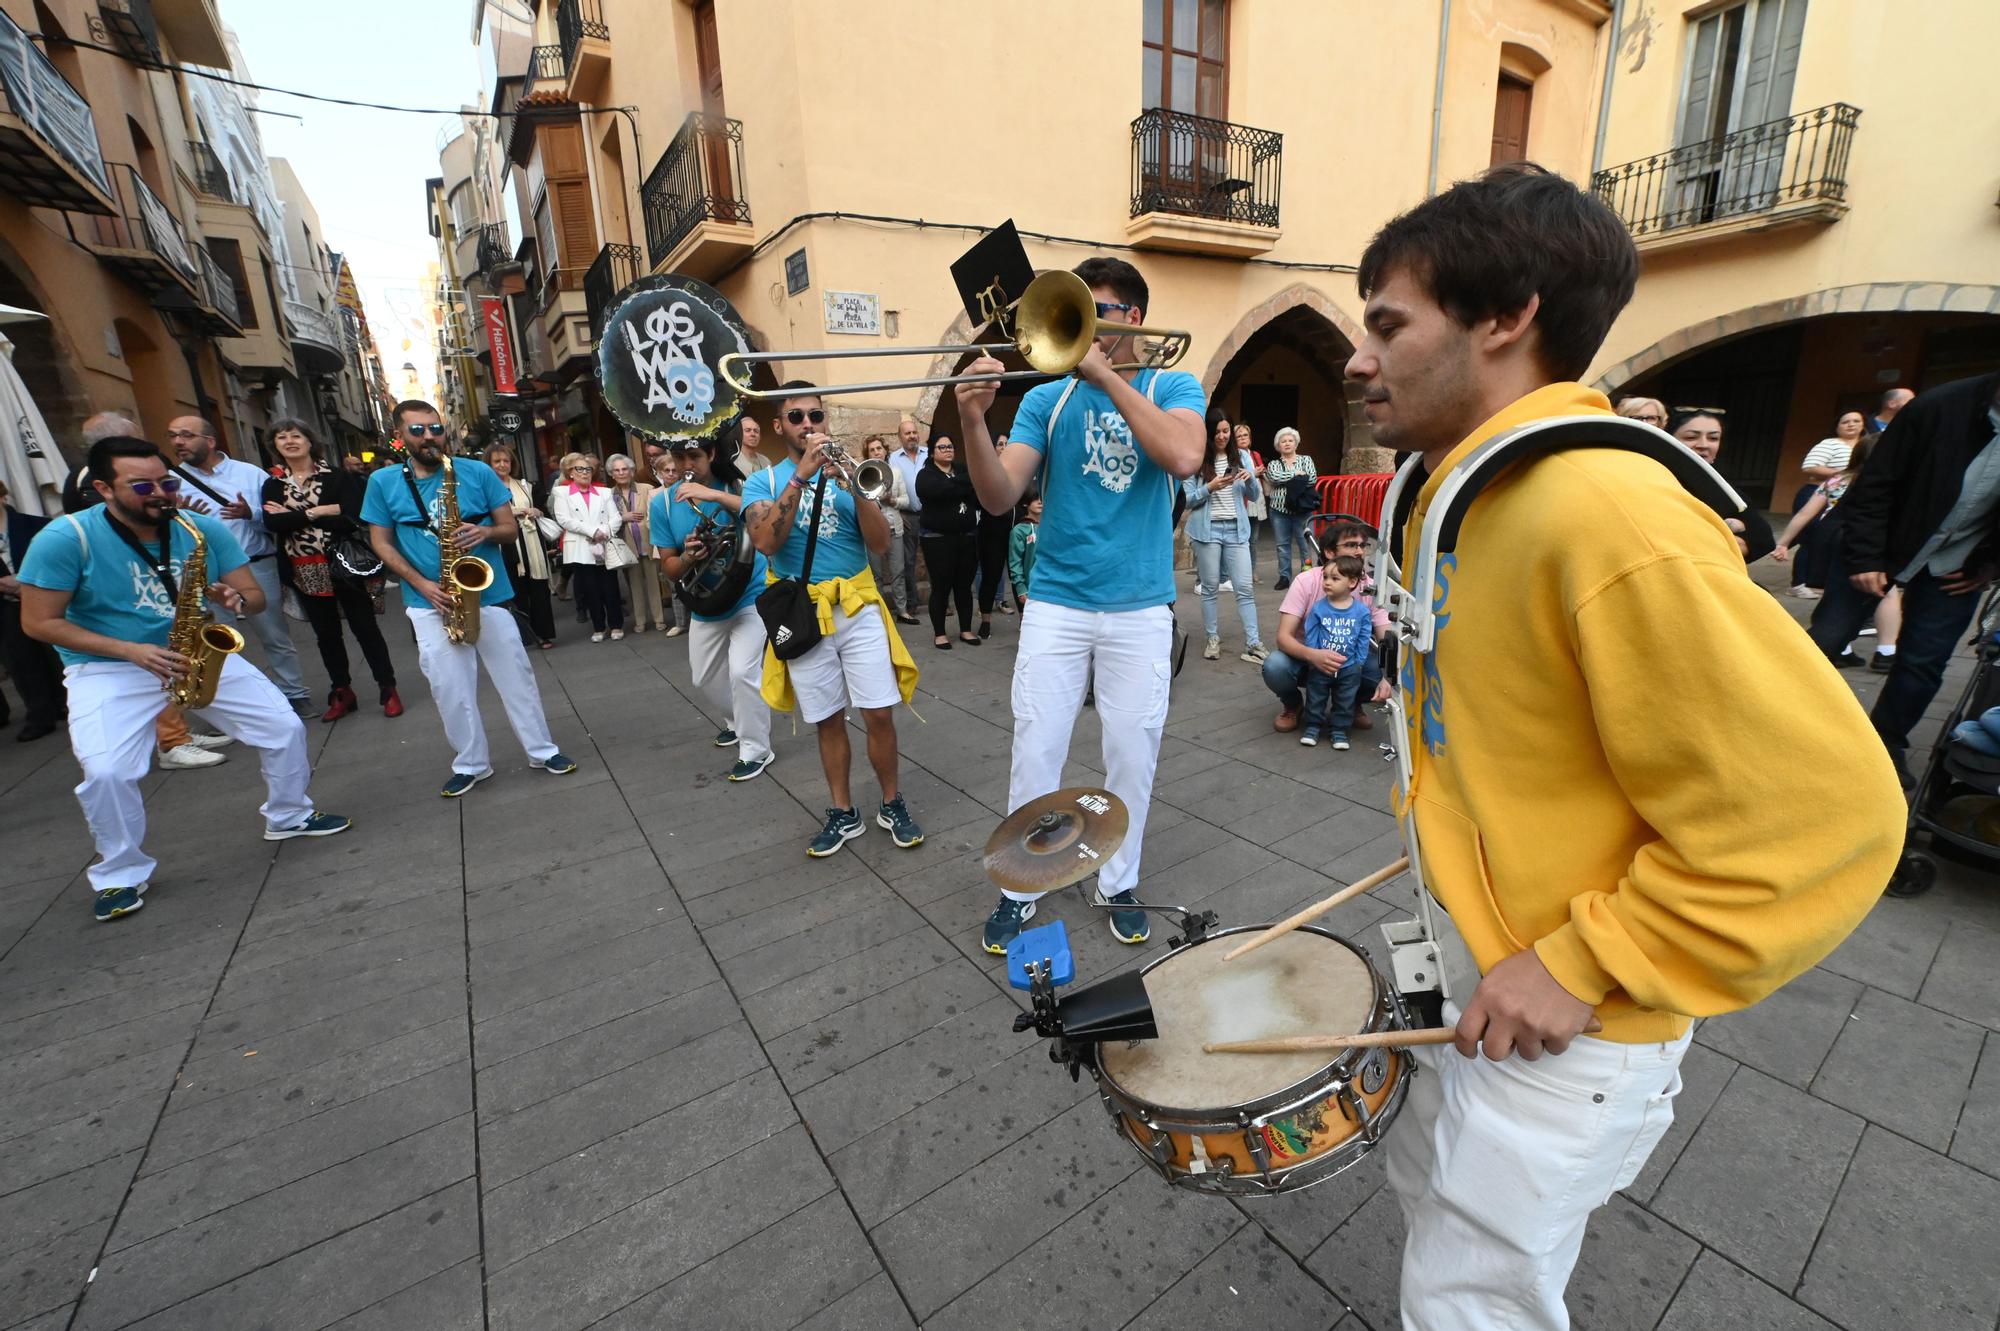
(1343, 623)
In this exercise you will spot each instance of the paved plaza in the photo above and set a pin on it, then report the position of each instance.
(608, 1051)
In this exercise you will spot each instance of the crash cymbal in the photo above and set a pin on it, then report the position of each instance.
(1056, 840)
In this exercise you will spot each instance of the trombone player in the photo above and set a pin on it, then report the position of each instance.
(1111, 443)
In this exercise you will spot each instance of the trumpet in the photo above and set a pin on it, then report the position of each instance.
(869, 478)
(1054, 323)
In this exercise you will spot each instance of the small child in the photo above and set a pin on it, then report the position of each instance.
(1021, 548)
(1343, 623)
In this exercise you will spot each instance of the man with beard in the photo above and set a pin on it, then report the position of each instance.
(101, 587)
(403, 511)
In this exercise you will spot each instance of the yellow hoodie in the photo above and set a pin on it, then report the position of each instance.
(1613, 735)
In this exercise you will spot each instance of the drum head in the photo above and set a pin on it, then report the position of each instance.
(1305, 983)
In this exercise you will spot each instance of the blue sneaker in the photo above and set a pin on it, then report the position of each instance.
(893, 818)
(725, 738)
(1128, 926)
(1004, 924)
(315, 824)
(842, 826)
(560, 764)
(113, 902)
(749, 770)
(461, 782)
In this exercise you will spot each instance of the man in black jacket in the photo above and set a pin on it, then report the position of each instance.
(32, 665)
(1921, 516)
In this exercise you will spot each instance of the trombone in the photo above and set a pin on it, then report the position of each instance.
(1054, 323)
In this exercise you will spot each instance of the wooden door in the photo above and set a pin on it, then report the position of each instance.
(1185, 70)
(1511, 109)
(708, 66)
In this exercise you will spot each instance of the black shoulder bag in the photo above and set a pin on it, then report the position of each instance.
(786, 606)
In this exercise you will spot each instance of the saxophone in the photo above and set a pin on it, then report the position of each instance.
(194, 635)
(461, 577)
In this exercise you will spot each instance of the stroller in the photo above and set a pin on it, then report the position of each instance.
(1956, 803)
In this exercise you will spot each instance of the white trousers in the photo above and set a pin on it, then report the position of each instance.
(112, 706)
(1498, 1167)
(727, 658)
(453, 672)
(1131, 652)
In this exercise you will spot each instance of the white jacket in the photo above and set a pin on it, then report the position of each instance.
(581, 515)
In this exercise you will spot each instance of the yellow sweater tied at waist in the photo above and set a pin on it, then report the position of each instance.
(852, 595)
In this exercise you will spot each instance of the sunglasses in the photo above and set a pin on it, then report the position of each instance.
(167, 485)
(1105, 307)
(417, 431)
(799, 416)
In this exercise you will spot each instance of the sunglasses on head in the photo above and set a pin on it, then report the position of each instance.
(167, 485)
(800, 415)
(417, 431)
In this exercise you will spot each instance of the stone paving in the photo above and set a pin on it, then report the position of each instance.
(609, 1051)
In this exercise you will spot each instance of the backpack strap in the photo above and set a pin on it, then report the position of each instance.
(82, 540)
(1055, 413)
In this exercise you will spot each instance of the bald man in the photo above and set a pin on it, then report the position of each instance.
(1892, 402)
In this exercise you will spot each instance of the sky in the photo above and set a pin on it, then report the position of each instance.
(365, 170)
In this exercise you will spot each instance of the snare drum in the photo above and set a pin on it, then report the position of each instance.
(1249, 1124)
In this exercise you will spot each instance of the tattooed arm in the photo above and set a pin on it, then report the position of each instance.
(770, 520)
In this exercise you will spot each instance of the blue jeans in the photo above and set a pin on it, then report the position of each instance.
(1212, 563)
(1287, 676)
(1934, 621)
(1290, 529)
(1330, 699)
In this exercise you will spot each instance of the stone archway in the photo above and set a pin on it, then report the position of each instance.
(1283, 363)
(1860, 298)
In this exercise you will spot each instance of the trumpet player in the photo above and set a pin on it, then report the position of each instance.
(103, 587)
(403, 510)
(726, 650)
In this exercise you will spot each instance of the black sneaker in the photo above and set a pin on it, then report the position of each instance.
(842, 826)
(724, 738)
(895, 819)
(746, 770)
(1281, 584)
(1003, 926)
(1128, 926)
(556, 764)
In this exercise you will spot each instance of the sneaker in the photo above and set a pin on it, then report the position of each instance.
(1003, 926)
(1128, 926)
(748, 770)
(1340, 744)
(187, 755)
(1286, 721)
(895, 819)
(1281, 584)
(115, 901)
(675, 631)
(461, 782)
(1803, 592)
(557, 764)
(1225, 586)
(1309, 739)
(1882, 662)
(1847, 661)
(1255, 653)
(842, 826)
(1212, 649)
(315, 824)
(725, 738)
(211, 741)
(597, 637)
(618, 635)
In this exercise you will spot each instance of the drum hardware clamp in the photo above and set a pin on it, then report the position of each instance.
(1194, 924)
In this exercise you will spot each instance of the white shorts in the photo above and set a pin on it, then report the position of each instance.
(849, 665)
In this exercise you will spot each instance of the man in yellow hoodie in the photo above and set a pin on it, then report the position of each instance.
(1586, 737)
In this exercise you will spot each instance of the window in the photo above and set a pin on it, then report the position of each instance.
(1186, 57)
(464, 209)
(565, 217)
(228, 256)
(1511, 108)
(1741, 64)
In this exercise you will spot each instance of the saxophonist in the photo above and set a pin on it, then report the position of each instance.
(403, 510)
(104, 587)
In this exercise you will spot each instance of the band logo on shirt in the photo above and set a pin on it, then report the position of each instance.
(829, 527)
(1108, 451)
(149, 595)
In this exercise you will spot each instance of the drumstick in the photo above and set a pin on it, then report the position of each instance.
(1292, 1044)
(1375, 879)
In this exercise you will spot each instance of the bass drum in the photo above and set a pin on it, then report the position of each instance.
(717, 583)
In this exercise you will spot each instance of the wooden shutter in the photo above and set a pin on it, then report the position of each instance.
(1697, 103)
(1511, 109)
(575, 224)
(708, 57)
(1777, 29)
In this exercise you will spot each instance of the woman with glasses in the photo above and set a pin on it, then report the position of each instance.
(308, 506)
(584, 510)
(1646, 410)
(1290, 521)
(631, 497)
(527, 555)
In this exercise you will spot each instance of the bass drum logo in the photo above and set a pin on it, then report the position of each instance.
(657, 353)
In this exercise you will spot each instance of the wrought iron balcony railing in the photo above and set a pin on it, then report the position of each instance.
(210, 176)
(576, 20)
(699, 178)
(615, 268)
(143, 237)
(492, 248)
(1800, 160)
(218, 289)
(1193, 166)
(546, 62)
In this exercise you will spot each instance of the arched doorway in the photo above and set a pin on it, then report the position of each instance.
(1283, 364)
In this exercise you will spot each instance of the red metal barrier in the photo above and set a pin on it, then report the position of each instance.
(1358, 495)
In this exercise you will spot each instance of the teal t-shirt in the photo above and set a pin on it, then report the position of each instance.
(1107, 533)
(671, 522)
(840, 553)
(480, 491)
(112, 590)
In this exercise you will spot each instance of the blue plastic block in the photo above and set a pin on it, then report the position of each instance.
(1046, 942)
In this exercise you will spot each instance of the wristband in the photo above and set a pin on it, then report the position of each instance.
(795, 483)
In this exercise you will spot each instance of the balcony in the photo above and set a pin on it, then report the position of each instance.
(586, 47)
(697, 218)
(615, 268)
(191, 27)
(49, 155)
(142, 241)
(216, 310)
(315, 341)
(211, 178)
(1785, 173)
(546, 71)
(1204, 186)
